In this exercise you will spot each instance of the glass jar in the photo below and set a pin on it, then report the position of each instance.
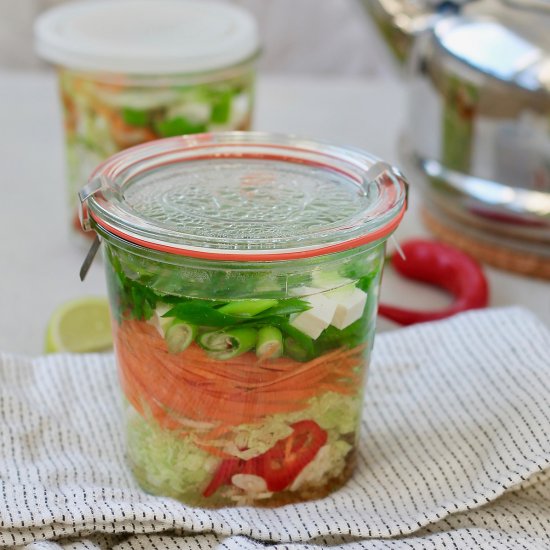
(243, 273)
(133, 71)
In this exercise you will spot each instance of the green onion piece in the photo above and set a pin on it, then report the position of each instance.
(135, 117)
(295, 350)
(179, 335)
(270, 343)
(226, 344)
(247, 308)
(178, 126)
(221, 108)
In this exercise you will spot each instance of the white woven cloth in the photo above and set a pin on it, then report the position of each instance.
(455, 453)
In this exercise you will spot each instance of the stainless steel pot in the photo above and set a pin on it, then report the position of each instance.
(478, 129)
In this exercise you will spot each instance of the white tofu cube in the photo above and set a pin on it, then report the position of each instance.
(313, 321)
(196, 112)
(349, 307)
(240, 111)
(240, 108)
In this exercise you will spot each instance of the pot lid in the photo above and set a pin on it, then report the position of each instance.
(493, 48)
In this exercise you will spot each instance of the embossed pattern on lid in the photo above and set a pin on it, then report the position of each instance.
(246, 193)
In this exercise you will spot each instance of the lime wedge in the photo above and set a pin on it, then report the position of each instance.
(80, 326)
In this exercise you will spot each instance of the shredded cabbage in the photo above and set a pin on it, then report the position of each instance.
(166, 462)
(336, 413)
(256, 439)
(329, 462)
(170, 463)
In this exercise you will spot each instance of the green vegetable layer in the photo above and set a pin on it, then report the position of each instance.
(224, 328)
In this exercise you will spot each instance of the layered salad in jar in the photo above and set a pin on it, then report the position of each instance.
(243, 272)
(242, 387)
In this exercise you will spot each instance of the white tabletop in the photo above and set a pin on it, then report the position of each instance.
(39, 263)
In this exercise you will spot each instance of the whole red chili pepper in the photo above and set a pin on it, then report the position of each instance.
(440, 265)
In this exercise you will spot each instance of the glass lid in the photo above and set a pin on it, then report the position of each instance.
(245, 195)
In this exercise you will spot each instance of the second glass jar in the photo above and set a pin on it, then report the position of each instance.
(105, 114)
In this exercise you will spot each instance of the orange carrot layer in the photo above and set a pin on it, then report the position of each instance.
(227, 393)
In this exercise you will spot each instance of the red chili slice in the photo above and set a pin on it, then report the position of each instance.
(280, 465)
(226, 470)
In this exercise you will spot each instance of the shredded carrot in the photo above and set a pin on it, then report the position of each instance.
(227, 393)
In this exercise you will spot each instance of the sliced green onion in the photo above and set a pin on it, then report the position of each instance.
(179, 335)
(178, 126)
(270, 343)
(247, 308)
(295, 350)
(221, 109)
(135, 117)
(226, 344)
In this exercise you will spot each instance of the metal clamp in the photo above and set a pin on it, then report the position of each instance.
(90, 189)
(382, 169)
(90, 257)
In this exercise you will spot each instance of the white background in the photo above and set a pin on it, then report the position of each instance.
(299, 36)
